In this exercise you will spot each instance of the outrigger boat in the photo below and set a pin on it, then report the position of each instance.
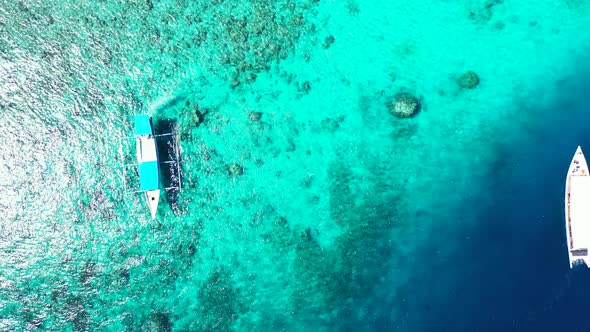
(577, 210)
(148, 162)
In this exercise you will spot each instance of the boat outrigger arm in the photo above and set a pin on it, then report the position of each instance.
(147, 161)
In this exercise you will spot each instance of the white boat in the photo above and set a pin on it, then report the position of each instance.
(577, 210)
(147, 161)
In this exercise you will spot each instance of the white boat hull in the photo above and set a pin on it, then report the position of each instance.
(147, 161)
(577, 210)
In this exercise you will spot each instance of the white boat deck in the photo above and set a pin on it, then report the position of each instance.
(580, 210)
(146, 149)
(577, 210)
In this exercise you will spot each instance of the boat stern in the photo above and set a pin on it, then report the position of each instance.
(579, 257)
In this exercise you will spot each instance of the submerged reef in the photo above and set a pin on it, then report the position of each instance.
(229, 40)
(235, 170)
(251, 37)
(255, 116)
(328, 41)
(405, 105)
(334, 281)
(199, 115)
(331, 124)
(146, 268)
(219, 301)
(482, 12)
(158, 322)
(468, 80)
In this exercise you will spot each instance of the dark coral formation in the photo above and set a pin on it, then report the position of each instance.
(405, 105)
(199, 115)
(250, 42)
(234, 40)
(483, 12)
(328, 41)
(255, 116)
(77, 314)
(344, 275)
(331, 124)
(305, 87)
(235, 170)
(158, 322)
(468, 80)
(219, 301)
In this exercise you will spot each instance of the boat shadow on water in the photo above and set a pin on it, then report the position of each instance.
(170, 160)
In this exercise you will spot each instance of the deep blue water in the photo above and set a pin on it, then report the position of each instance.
(510, 270)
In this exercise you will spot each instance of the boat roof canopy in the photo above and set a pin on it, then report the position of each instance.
(143, 125)
(148, 176)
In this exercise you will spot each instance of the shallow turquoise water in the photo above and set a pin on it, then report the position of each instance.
(327, 225)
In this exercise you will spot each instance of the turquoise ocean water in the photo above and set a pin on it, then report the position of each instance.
(343, 217)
